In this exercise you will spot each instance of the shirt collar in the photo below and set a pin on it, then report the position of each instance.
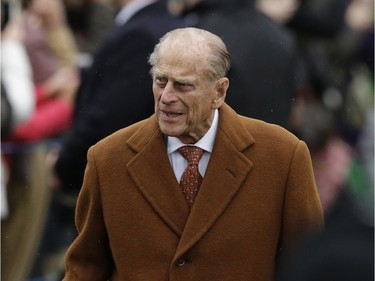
(206, 142)
(130, 9)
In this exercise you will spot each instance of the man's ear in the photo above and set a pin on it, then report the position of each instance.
(221, 91)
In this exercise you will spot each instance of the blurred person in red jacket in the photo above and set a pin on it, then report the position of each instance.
(52, 53)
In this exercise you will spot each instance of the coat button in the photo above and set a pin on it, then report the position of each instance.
(181, 262)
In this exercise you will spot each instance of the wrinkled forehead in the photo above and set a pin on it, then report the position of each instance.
(184, 49)
(180, 61)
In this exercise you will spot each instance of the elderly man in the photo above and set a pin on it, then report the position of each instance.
(142, 216)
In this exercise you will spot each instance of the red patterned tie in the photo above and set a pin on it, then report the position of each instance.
(191, 178)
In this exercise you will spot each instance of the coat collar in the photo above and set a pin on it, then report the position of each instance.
(229, 124)
(227, 169)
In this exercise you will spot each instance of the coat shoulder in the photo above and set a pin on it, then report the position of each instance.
(119, 139)
(262, 130)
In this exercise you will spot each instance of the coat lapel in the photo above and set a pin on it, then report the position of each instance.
(226, 171)
(228, 167)
(151, 171)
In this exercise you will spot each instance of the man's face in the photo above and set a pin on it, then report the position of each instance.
(184, 100)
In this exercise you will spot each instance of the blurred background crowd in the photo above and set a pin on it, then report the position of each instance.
(74, 71)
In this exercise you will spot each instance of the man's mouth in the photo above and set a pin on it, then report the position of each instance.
(170, 114)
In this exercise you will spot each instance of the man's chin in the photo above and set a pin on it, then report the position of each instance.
(167, 130)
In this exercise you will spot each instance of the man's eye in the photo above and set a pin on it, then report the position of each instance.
(185, 86)
(160, 82)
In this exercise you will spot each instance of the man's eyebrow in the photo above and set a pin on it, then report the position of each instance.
(157, 74)
(185, 82)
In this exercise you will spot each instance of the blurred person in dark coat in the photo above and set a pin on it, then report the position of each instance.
(263, 56)
(114, 93)
(90, 21)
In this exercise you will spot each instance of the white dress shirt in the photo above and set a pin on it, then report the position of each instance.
(179, 163)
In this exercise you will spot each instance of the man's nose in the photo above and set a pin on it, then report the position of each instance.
(168, 94)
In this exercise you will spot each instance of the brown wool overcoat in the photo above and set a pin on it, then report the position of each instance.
(257, 198)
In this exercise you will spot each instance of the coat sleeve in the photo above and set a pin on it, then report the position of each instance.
(89, 257)
(302, 214)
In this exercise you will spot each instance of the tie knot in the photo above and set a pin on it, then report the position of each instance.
(191, 153)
